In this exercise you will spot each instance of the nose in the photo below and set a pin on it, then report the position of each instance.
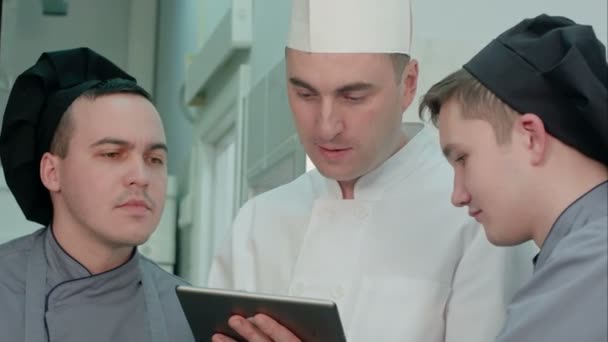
(329, 121)
(137, 174)
(460, 195)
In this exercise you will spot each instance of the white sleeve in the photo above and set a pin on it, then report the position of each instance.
(484, 283)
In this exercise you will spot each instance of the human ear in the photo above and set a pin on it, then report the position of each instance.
(410, 83)
(535, 137)
(49, 171)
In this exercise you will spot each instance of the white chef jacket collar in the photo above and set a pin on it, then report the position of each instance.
(400, 165)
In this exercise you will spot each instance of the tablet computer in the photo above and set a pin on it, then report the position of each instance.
(208, 311)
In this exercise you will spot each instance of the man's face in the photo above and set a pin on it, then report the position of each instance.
(347, 109)
(490, 178)
(114, 177)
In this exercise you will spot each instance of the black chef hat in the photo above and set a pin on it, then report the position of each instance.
(37, 101)
(556, 69)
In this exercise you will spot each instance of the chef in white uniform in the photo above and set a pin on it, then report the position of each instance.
(371, 228)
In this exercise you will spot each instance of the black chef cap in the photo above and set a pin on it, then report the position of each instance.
(38, 99)
(556, 69)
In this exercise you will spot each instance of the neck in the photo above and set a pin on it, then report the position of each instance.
(348, 186)
(89, 249)
(571, 181)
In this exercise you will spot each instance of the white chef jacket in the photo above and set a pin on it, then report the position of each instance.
(399, 260)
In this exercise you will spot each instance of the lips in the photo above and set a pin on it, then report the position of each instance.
(474, 213)
(135, 204)
(334, 153)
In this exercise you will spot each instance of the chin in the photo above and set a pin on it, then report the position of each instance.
(336, 173)
(136, 235)
(340, 177)
(134, 241)
(502, 240)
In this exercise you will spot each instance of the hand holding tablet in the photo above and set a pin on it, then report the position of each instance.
(208, 312)
(257, 328)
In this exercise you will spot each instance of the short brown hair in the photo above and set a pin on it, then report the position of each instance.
(65, 128)
(63, 134)
(476, 101)
(400, 61)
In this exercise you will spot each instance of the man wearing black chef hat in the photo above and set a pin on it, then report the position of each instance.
(525, 126)
(84, 153)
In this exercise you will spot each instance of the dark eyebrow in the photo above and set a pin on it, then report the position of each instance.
(126, 144)
(300, 83)
(158, 146)
(359, 86)
(112, 141)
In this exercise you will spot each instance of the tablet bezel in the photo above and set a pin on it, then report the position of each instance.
(208, 310)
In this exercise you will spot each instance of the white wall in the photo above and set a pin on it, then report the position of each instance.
(448, 33)
(212, 11)
(100, 25)
(178, 37)
(8, 27)
(122, 30)
(13, 221)
(270, 26)
(484, 19)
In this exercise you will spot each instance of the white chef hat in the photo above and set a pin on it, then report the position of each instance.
(351, 26)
